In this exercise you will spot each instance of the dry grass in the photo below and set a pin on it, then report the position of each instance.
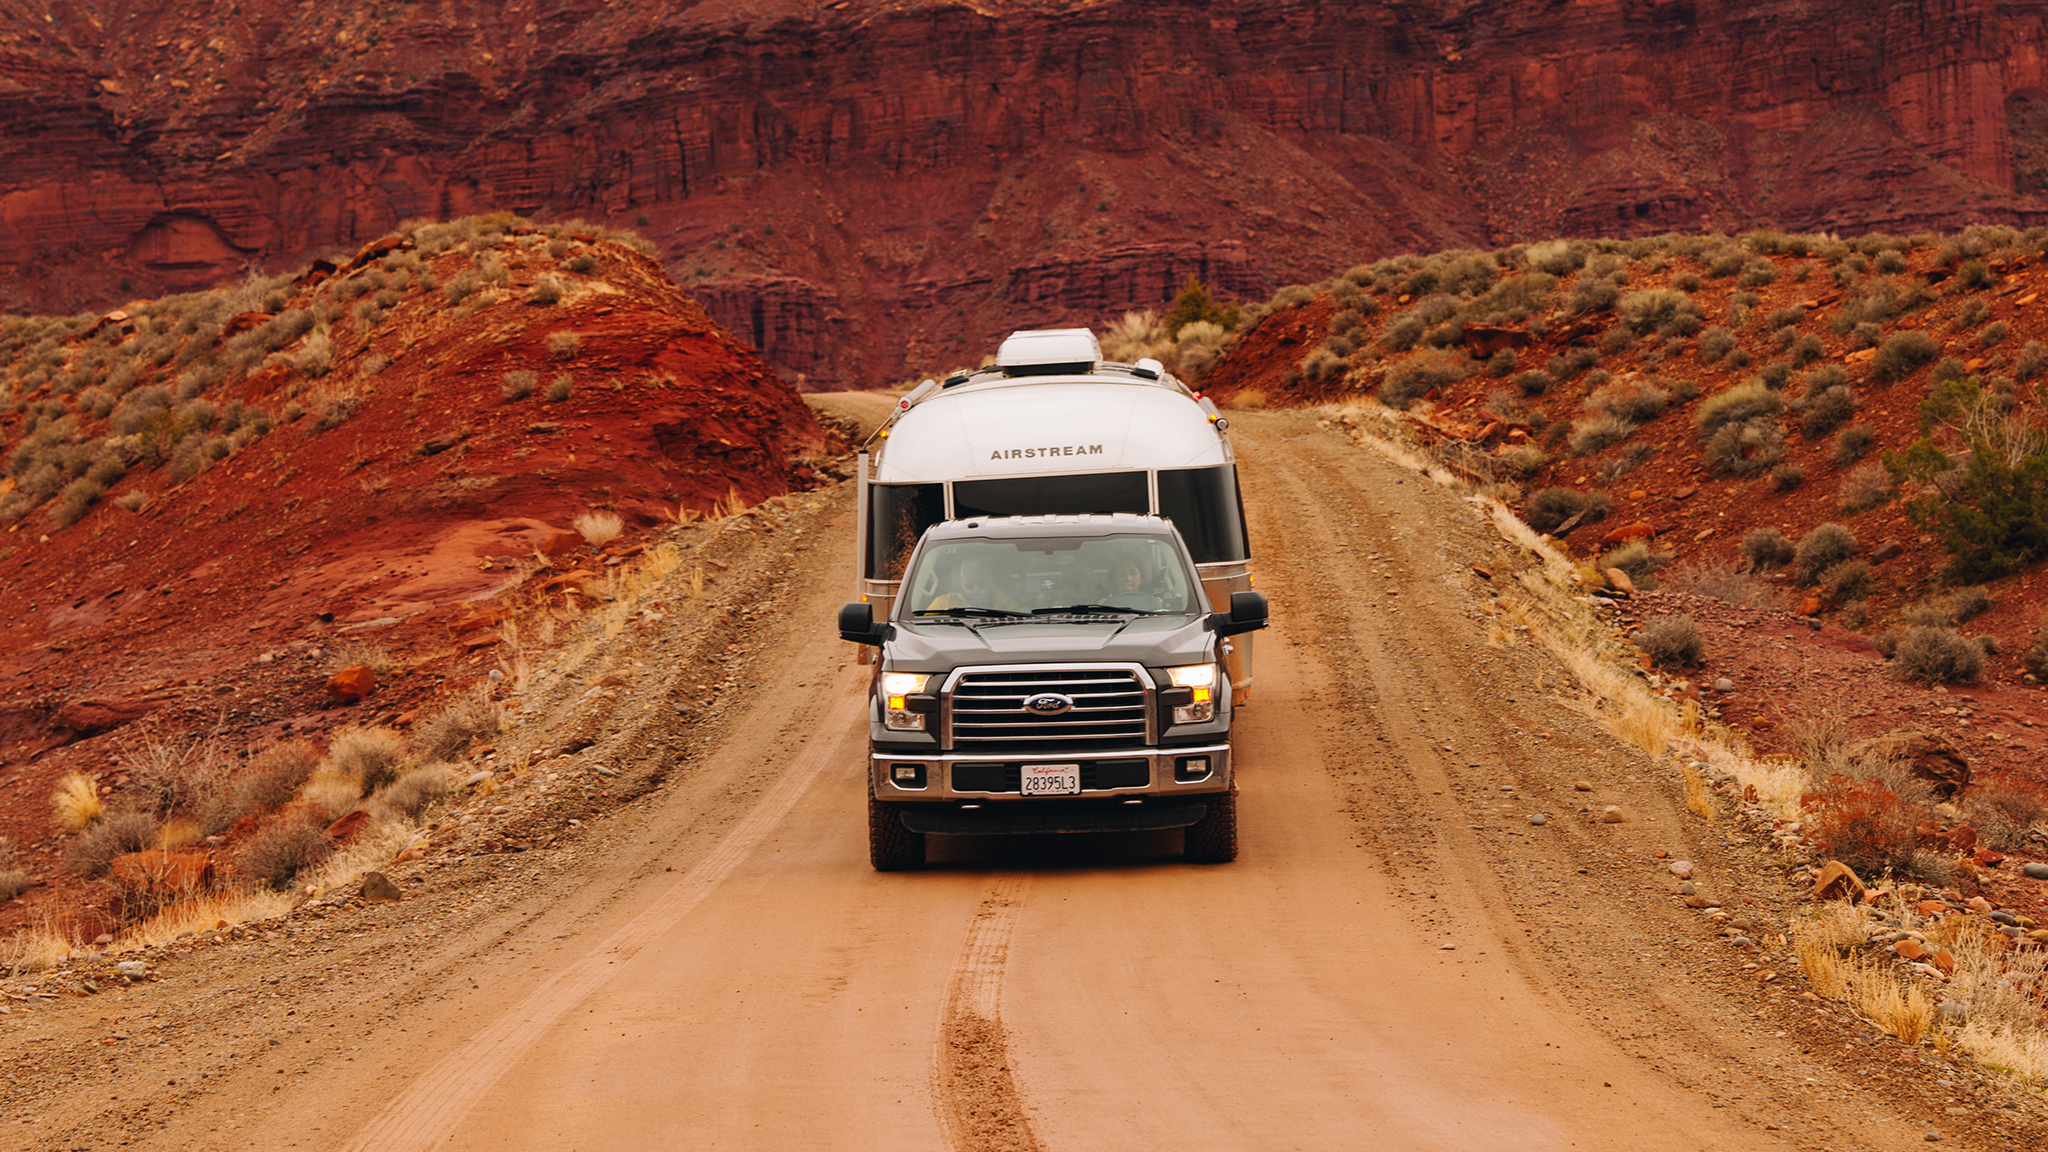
(1900, 1007)
(598, 528)
(37, 948)
(206, 911)
(422, 786)
(360, 653)
(371, 755)
(1699, 798)
(331, 792)
(75, 804)
(449, 733)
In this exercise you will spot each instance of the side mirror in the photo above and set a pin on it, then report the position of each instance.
(1247, 614)
(857, 623)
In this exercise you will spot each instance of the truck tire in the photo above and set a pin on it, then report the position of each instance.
(891, 846)
(1213, 838)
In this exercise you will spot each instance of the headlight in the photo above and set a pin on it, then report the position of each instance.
(896, 686)
(1201, 680)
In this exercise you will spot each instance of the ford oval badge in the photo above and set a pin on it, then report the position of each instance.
(1047, 704)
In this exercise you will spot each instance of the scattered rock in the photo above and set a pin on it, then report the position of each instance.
(1740, 941)
(1944, 960)
(1724, 684)
(134, 969)
(1582, 785)
(1619, 581)
(1682, 869)
(1688, 888)
(1910, 949)
(349, 827)
(1539, 820)
(1640, 530)
(2035, 870)
(1838, 881)
(378, 889)
(104, 938)
(351, 684)
(1613, 815)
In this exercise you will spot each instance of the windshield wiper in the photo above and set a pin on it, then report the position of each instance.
(1092, 610)
(968, 611)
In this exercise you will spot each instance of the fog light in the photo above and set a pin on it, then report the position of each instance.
(1190, 769)
(909, 777)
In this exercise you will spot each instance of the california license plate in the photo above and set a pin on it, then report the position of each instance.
(1051, 779)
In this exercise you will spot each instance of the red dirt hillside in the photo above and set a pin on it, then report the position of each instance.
(1590, 373)
(206, 496)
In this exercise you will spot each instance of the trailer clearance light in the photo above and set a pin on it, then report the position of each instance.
(896, 713)
(1200, 679)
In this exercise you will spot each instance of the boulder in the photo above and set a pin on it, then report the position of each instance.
(1640, 530)
(351, 684)
(1619, 581)
(1837, 881)
(1929, 754)
(378, 889)
(349, 827)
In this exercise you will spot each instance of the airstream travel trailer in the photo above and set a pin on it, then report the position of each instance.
(1052, 429)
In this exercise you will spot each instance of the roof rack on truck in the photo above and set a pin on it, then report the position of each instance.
(1052, 429)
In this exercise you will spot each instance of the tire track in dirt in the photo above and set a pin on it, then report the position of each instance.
(976, 1096)
(429, 1110)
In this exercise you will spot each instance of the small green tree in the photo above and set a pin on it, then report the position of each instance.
(1992, 511)
(1194, 304)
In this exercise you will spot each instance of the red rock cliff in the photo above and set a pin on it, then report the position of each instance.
(869, 190)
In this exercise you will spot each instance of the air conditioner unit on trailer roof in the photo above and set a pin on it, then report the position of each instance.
(1049, 351)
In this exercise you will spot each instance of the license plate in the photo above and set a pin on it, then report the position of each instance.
(1052, 779)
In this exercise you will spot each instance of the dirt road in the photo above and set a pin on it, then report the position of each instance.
(1399, 959)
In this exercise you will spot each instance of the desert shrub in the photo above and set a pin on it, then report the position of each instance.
(2032, 360)
(1786, 477)
(1534, 382)
(1902, 355)
(1418, 375)
(545, 291)
(13, 882)
(274, 775)
(167, 776)
(114, 835)
(282, 849)
(1525, 460)
(449, 733)
(1757, 273)
(1635, 401)
(1863, 824)
(564, 345)
(1635, 558)
(560, 388)
(1737, 405)
(1969, 603)
(1945, 369)
(2005, 810)
(1866, 487)
(461, 286)
(1927, 655)
(1401, 333)
(1824, 411)
(1849, 580)
(1745, 449)
(2036, 657)
(1993, 333)
(1593, 294)
(1890, 261)
(75, 802)
(1851, 444)
(520, 384)
(1822, 549)
(1323, 362)
(598, 528)
(1501, 364)
(1663, 310)
(582, 264)
(1551, 507)
(1715, 343)
(371, 755)
(1292, 296)
(1775, 375)
(1672, 641)
(331, 793)
(1601, 430)
(422, 786)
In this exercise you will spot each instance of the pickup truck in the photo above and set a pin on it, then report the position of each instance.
(1047, 674)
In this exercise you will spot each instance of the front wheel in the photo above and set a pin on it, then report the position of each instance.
(1213, 838)
(891, 846)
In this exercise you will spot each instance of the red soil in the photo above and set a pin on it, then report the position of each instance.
(416, 525)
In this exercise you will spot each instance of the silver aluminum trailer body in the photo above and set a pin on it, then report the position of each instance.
(1067, 434)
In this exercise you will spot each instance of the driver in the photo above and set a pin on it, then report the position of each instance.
(973, 586)
(1129, 586)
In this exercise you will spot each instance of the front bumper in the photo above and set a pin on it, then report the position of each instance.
(990, 780)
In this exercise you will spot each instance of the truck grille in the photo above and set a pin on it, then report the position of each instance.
(988, 708)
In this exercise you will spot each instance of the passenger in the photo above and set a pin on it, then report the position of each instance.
(973, 586)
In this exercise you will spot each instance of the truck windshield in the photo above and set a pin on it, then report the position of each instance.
(1130, 573)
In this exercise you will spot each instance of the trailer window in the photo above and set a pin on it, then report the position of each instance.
(897, 515)
(1069, 495)
(1203, 503)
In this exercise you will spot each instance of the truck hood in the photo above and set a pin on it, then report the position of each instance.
(1155, 641)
